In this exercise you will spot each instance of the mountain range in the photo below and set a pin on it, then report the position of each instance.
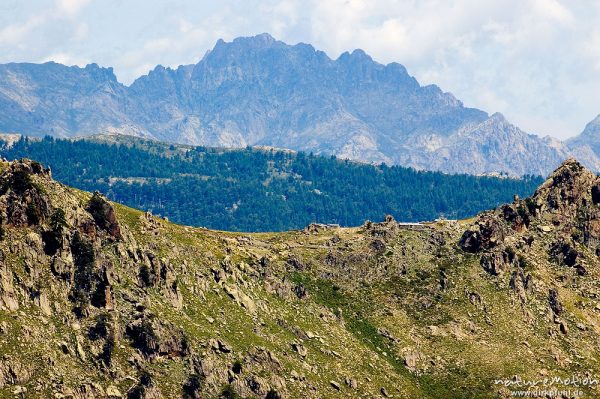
(260, 91)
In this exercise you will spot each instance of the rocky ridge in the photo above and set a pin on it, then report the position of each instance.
(99, 300)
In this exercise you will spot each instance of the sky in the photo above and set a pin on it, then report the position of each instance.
(535, 61)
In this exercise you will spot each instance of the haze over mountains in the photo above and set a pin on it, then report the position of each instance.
(260, 91)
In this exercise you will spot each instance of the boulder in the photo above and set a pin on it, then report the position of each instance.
(113, 392)
(240, 298)
(497, 261)
(26, 203)
(564, 253)
(104, 215)
(554, 302)
(154, 338)
(486, 234)
(300, 349)
(144, 389)
(12, 372)
(351, 383)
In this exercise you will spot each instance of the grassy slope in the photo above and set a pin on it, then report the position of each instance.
(460, 344)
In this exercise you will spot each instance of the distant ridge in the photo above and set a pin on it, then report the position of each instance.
(261, 91)
(258, 189)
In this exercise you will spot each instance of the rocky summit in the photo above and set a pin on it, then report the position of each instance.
(102, 301)
(259, 91)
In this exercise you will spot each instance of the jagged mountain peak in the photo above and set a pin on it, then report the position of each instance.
(258, 42)
(357, 55)
(498, 117)
(496, 124)
(588, 141)
(260, 91)
(592, 128)
(52, 72)
(262, 39)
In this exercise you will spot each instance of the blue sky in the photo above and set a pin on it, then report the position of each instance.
(536, 61)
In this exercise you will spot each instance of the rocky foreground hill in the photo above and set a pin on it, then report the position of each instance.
(99, 300)
(261, 91)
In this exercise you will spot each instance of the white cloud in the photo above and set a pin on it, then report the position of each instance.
(44, 18)
(81, 31)
(553, 10)
(71, 7)
(14, 33)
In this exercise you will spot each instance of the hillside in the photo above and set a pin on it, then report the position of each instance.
(100, 300)
(260, 91)
(259, 189)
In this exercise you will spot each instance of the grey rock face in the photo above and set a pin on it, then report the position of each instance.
(260, 91)
(588, 142)
(62, 101)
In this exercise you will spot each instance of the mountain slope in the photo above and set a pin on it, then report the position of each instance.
(99, 300)
(492, 145)
(589, 139)
(260, 91)
(58, 100)
(240, 188)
